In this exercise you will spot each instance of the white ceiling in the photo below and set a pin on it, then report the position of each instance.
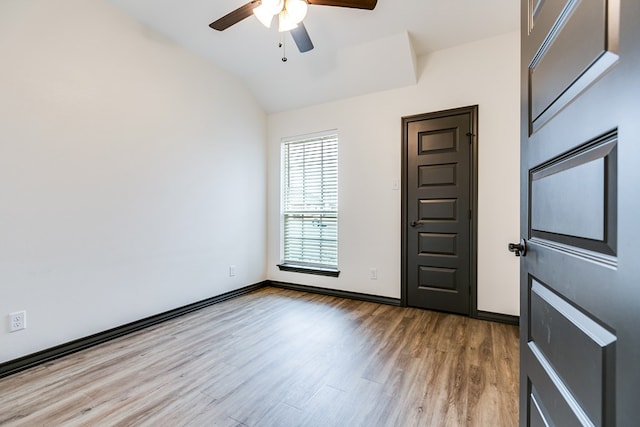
(356, 51)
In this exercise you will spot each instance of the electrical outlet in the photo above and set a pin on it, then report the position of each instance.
(373, 273)
(17, 321)
(232, 270)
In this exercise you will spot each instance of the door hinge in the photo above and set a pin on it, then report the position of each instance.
(471, 135)
(470, 214)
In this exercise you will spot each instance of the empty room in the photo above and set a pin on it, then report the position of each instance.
(319, 213)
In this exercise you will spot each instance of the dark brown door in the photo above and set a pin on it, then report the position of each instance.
(580, 278)
(438, 190)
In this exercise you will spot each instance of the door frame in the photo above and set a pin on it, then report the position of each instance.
(472, 110)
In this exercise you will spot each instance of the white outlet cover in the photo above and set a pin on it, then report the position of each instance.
(17, 321)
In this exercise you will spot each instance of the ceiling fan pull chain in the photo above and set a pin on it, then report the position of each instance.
(283, 45)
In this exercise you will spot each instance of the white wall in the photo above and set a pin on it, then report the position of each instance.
(483, 73)
(131, 174)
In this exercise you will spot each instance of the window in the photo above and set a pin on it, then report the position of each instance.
(310, 204)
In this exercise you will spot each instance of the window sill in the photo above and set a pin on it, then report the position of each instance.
(306, 269)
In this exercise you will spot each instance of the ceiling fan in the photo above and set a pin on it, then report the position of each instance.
(290, 15)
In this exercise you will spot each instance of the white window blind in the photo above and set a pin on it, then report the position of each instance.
(311, 201)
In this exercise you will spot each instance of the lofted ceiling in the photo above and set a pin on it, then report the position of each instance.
(356, 51)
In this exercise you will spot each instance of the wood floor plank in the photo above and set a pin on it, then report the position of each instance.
(507, 357)
(281, 358)
(324, 408)
(281, 415)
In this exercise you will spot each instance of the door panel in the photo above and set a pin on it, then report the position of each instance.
(576, 47)
(576, 348)
(580, 278)
(562, 212)
(438, 193)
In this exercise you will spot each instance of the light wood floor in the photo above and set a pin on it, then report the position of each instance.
(282, 358)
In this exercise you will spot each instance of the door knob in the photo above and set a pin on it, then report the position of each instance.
(414, 224)
(520, 249)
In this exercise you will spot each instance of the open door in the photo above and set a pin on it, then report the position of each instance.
(580, 207)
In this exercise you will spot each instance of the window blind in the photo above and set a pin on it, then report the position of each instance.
(311, 201)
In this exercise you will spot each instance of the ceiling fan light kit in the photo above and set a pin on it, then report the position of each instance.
(273, 6)
(290, 15)
(295, 10)
(285, 23)
(263, 15)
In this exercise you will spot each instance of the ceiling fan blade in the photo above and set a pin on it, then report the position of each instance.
(355, 4)
(302, 39)
(236, 16)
